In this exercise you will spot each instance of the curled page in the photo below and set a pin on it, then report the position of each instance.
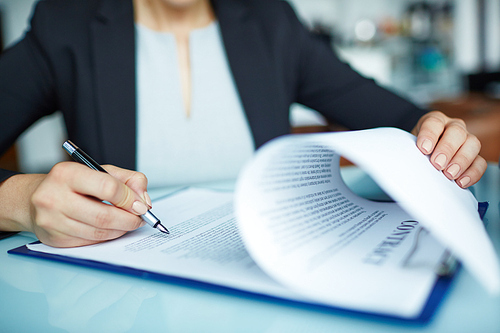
(305, 228)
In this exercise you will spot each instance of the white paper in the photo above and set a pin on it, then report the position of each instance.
(203, 244)
(307, 167)
(309, 237)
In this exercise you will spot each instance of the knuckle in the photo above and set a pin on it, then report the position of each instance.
(482, 164)
(433, 120)
(61, 171)
(141, 177)
(40, 199)
(58, 168)
(435, 114)
(108, 188)
(458, 131)
(446, 147)
(137, 223)
(44, 223)
(474, 175)
(103, 219)
(132, 222)
(475, 140)
(477, 169)
(126, 199)
(138, 178)
(37, 199)
(100, 234)
(467, 160)
(458, 122)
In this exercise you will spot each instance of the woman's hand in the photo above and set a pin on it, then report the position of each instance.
(453, 150)
(66, 209)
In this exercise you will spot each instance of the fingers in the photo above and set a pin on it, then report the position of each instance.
(106, 187)
(433, 126)
(453, 150)
(449, 147)
(79, 234)
(82, 221)
(67, 207)
(137, 181)
(473, 174)
(94, 213)
(462, 158)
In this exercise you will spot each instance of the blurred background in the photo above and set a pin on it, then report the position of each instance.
(441, 54)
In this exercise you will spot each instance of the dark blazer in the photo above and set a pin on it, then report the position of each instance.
(79, 58)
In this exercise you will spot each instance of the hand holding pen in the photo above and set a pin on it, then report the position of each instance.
(65, 208)
(138, 207)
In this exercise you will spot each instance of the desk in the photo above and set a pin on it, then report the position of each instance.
(42, 296)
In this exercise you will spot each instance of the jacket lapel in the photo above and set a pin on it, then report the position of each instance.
(250, 60)
(113, 50)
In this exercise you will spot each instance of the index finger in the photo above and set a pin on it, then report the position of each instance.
(137, 181)
(430, 128)
(108, 188)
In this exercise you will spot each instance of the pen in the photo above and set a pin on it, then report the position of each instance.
(80, 156)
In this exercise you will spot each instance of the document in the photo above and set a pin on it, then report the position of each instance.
(294, 230)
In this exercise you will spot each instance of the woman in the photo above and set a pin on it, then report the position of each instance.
(153, 84)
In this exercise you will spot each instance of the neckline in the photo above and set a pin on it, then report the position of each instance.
(208, 27)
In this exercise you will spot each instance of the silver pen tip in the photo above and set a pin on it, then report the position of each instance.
(162, 228)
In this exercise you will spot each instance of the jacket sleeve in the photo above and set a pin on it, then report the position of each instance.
(26, 88)
(326, 84)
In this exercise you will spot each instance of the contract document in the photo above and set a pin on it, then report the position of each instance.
(292, 229)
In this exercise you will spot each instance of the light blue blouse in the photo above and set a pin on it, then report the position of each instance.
(215, 141)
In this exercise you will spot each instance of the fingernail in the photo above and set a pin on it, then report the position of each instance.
(453, 170)
(427, 146)
(464, 181)
(139, 208)
(440, 161)
(148, 199)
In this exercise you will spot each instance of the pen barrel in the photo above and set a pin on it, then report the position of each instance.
(80, 156)
(150, 219)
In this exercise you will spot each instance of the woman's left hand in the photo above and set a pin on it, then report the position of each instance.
(453, 149)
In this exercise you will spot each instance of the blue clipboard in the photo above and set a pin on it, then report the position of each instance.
(436, 296)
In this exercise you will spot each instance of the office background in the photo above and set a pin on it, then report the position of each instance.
(64, 298)
(423, 50)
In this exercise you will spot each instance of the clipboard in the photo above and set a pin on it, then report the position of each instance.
(435, 299)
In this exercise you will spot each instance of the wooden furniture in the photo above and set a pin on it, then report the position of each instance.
(9, 160)
(480, 113)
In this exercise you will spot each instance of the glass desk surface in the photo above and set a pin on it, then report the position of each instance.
(43, 296)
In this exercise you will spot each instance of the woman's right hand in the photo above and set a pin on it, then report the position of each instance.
(64, 208)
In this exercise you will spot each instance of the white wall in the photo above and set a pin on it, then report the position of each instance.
(493, 34)
(342, 15)
(467, 35)
(40, 147)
